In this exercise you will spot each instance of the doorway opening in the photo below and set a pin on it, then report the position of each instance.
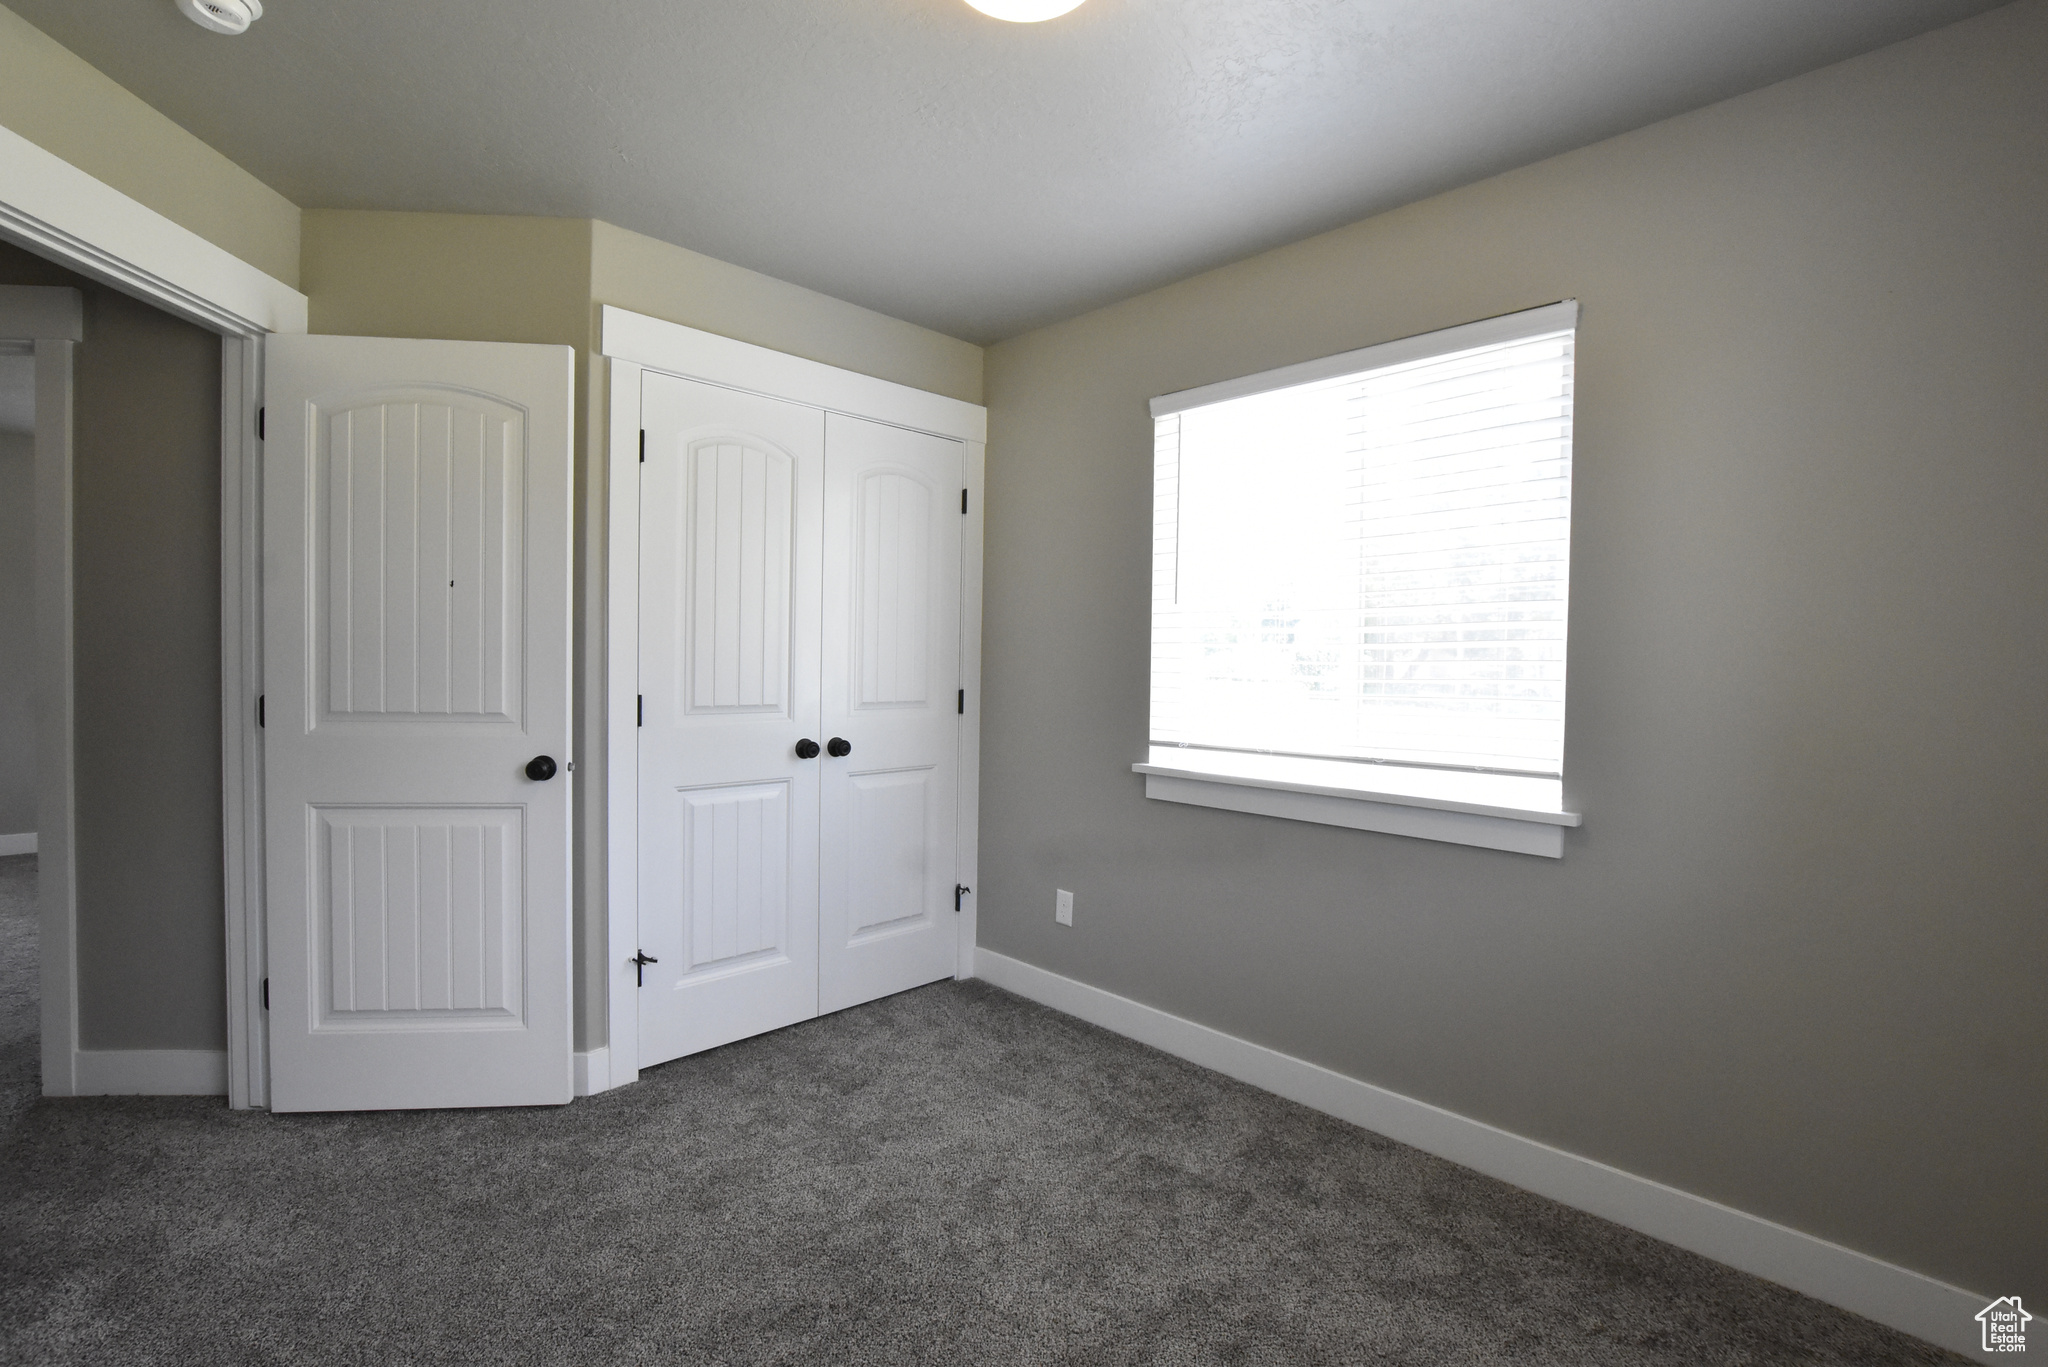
(20, 1034)
(110, 719)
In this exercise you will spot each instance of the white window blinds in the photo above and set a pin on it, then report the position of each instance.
(1366, 557)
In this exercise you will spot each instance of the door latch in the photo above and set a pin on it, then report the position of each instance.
(640, 962)
(960, 890)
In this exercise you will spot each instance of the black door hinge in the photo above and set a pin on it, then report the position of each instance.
(960, 890)
(963, 503)
(963, 702)
(259, 711)
(640, 960)
(639, 709)
(259, 424)
(643, 446)
(266, 981)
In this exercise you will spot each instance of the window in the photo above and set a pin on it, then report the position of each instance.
(1360, 578)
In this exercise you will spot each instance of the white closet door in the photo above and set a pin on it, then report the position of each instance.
(892, 643)
(731, 506)
(416, 639)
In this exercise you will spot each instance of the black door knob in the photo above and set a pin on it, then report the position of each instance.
(838, 748)
(541, 768)
(807, 748)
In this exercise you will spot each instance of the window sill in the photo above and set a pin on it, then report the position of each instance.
(1494, 811)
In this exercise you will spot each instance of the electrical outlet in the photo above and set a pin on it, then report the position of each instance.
(1063, 906)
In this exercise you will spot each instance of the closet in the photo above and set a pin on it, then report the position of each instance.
(799, 707)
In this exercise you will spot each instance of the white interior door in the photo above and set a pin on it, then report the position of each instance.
(731, 500)
(416, 670)
(892, 673)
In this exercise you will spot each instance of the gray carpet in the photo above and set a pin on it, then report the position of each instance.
(949, 1176)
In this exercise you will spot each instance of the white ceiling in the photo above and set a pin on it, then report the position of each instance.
(914, 156)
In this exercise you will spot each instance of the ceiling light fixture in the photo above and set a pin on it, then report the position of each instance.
(1015, 11)
(222, 16)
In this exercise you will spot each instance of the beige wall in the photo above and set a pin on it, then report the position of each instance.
(146, 593)
(1797, 959)
(55, 100)
(467, 277)
(653, 277)
(518, 279)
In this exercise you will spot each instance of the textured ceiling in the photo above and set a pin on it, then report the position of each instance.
(916, 157)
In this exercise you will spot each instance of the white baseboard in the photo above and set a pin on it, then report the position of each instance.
(1905, 1300)
(24, 843)
(593, 1071)
(150, 1072)
(204, 1072)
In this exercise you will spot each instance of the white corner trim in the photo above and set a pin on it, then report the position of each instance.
(241, 742)
(58, 210)
(593, 1072)
(151, 1072)
(1518, 835)
(620, 690)
(1905, 1300)
(967, 847)
(694, 354)
(56, 786)
(22, 843)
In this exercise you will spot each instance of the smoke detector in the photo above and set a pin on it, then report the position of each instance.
(222, 16)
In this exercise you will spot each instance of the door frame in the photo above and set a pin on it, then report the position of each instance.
(45, 322)
(630, 345)
(55, 210)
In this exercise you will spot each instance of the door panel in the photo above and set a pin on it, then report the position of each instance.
(420, 917)
(731, 502)
(891, 668)
(421, 490)
(889, 846)
(741, 505)
(735, 876)
(893, 589)
(417, 520)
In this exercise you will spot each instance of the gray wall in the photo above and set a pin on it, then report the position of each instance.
(17, 633)
(1797, 959)
(146, 566)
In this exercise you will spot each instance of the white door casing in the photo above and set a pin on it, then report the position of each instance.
(731, 497)
(892, 695)
(417, 658)
(62, 213)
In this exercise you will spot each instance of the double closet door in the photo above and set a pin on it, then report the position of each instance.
(799, 742)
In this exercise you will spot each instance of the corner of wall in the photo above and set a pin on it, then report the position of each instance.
(634, 271)
(66, 106)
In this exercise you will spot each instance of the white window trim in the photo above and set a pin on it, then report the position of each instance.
(1493, 811)
(1508, 327)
